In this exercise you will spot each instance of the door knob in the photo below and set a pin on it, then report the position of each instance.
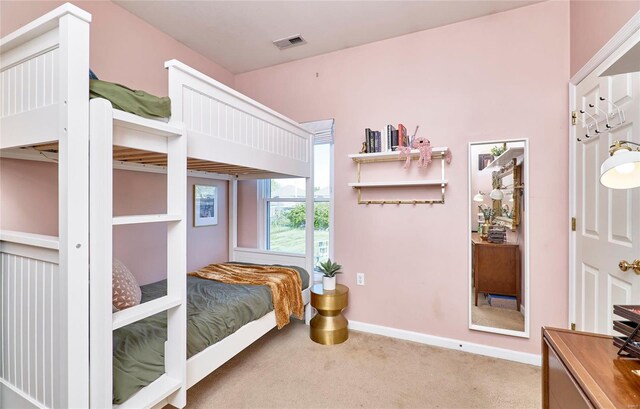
(624, 265)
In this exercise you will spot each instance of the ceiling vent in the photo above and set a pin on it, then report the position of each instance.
(289, 42)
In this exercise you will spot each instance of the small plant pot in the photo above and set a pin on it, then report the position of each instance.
(329, 283)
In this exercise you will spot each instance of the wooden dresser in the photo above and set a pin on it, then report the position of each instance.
(496, 268)
(582, 370)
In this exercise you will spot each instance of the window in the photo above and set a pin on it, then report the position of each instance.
(285, 209)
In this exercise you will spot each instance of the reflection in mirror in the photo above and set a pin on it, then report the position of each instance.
(498, 245)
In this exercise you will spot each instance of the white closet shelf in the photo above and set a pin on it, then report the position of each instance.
(142, 311)
(390, 155)
(430, 182)
(147, 218)
(506, 158)
(131, 121)
(152, 394)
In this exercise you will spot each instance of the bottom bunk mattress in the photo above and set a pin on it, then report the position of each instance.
(214, 311)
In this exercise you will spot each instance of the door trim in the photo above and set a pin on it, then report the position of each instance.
(613, 46)
(608, 49)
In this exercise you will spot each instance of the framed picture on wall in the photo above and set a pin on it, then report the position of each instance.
(205, 205)
(483, 160)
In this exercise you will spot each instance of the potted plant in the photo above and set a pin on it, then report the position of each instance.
(498, 150)
(488, 214)
(329, 270)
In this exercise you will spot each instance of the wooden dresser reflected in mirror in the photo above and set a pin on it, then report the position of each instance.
(496, 269)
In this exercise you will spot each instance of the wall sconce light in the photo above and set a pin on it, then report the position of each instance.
(622, 169)
(496, 194)
(479, 197)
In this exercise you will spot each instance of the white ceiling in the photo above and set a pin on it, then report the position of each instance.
(238, 34)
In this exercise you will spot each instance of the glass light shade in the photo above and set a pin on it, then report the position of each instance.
(622, 170)
(511, 198)
(496, 194)
(478, 198)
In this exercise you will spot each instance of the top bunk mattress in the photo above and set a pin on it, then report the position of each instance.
(214, 311)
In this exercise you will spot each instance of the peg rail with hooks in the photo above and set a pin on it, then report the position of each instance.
(599, 117)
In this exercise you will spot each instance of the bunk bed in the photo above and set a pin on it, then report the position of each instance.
(57, 320)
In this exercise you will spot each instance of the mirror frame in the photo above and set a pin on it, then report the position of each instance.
(524, 221)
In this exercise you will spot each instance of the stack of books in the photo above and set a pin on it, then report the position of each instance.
(497, 234)
(375, 141)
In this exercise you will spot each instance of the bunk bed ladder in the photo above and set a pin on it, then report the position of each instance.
(110, 127)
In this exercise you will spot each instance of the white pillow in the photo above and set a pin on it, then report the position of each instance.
(125, 289)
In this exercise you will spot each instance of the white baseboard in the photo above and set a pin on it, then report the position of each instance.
(479, 349)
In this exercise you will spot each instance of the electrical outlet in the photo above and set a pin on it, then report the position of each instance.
(360, 278)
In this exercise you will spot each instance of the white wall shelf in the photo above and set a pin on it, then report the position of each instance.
(506, 158)
(437, 182)
(439, 153)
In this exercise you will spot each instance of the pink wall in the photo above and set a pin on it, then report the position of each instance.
(124, 48)
(29, 196)
(142, 248)
(593, 23)
(247, 216)
(208, 244)
(483, 79)
(29, 203)
(127, 50)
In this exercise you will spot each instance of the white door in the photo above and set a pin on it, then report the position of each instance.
(608, 221)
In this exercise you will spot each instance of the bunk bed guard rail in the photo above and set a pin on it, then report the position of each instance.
(225, 126)
(29, 321)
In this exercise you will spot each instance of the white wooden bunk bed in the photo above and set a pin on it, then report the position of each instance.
(57, 322)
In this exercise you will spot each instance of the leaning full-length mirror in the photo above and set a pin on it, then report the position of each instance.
(498, 244)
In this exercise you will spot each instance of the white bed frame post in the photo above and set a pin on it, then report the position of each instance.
(101, 253)
(309, 226)
(233, 218)
(73, 216)
(176, 346)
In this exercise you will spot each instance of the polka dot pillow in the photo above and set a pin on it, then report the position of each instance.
(126, 291)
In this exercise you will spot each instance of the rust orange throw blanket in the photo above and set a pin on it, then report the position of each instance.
(285, 285)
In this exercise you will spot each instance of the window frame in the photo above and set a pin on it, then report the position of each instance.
(264, 193)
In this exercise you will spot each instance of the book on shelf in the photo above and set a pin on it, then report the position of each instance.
(375, 141)
(403, 138)
(367, 140)
(391, 143)
(383, 141)
(372, 142)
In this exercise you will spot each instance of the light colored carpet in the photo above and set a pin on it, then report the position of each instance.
(285, 369)
(489, 316)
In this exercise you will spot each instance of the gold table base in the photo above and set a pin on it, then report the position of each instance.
(329, 327)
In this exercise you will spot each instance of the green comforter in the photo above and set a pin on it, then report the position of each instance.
(214, 311)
